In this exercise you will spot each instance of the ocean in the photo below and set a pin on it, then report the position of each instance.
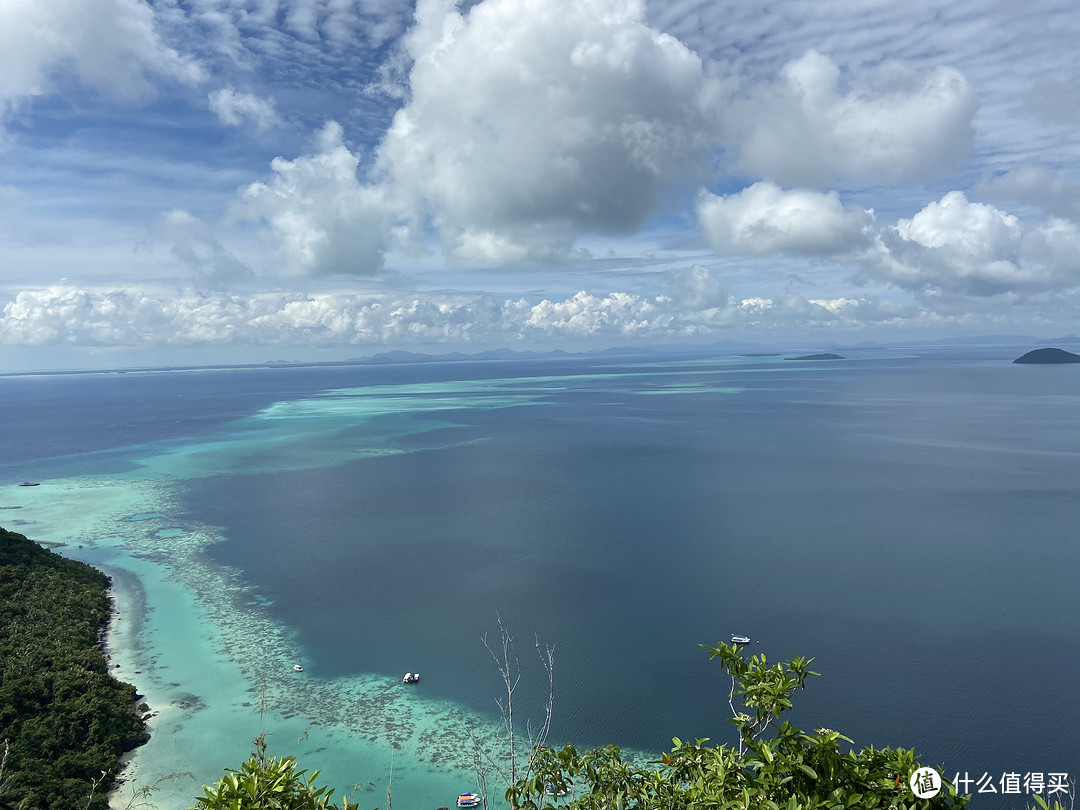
(908, 518)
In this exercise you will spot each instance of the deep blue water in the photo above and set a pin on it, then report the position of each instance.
(909, 521)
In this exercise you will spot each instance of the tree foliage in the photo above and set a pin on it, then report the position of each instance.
(773, 765)
(65, 721)
(268, 783)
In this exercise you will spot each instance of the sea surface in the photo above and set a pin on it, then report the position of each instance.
(909, 518)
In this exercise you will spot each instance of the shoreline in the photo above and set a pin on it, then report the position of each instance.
(127, 600)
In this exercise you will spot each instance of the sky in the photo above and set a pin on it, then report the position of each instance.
(250, 180)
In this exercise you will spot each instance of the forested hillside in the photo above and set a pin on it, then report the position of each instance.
(64, 721)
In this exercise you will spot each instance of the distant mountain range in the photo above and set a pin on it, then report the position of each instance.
(398, 356)
(727, 346)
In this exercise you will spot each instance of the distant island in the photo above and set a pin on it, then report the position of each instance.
(1048, 356)
(823, 356)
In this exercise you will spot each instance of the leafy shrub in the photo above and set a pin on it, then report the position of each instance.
(774, 765)
(264, 783)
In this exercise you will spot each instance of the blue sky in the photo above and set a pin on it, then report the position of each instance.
(235, 180)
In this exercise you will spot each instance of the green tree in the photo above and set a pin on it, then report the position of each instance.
(64, 720)
(773, 765)
(268, 783)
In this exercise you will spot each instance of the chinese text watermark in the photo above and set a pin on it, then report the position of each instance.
(1013, 782)
(926, 783)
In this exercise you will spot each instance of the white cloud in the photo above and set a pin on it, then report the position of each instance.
(65, 315)
(796, 311)
(326, 220)
(975, 249)
(237, 109)
(889, 125)
(692, 305)
(766, 219)
(587, 315)
(952, 247)
(969, 228)
(529, 123)
(1019, 59)
(110, 45)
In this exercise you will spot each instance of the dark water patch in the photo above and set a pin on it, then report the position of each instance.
(801, 514)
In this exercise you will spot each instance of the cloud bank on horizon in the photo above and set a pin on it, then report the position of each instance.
(343, 173)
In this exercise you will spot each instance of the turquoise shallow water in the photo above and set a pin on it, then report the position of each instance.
(908, 520)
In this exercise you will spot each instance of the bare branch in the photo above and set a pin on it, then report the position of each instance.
(506, 662)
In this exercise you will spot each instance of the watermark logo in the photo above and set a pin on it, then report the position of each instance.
(1015, 782)
(925, 783)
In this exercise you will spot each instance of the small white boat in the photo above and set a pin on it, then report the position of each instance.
(411, 677)
(298, 668)
(736, 639)
(468, 800)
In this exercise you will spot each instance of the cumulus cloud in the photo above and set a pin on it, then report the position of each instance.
(585, 314)
(793, 310)
(326, 220)
(952, 247)
(529, 123)
(766, 219)
(691, 304)
(110, 45)
(887, 125)
(957, 246)
(238, 109)
(526, 125)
